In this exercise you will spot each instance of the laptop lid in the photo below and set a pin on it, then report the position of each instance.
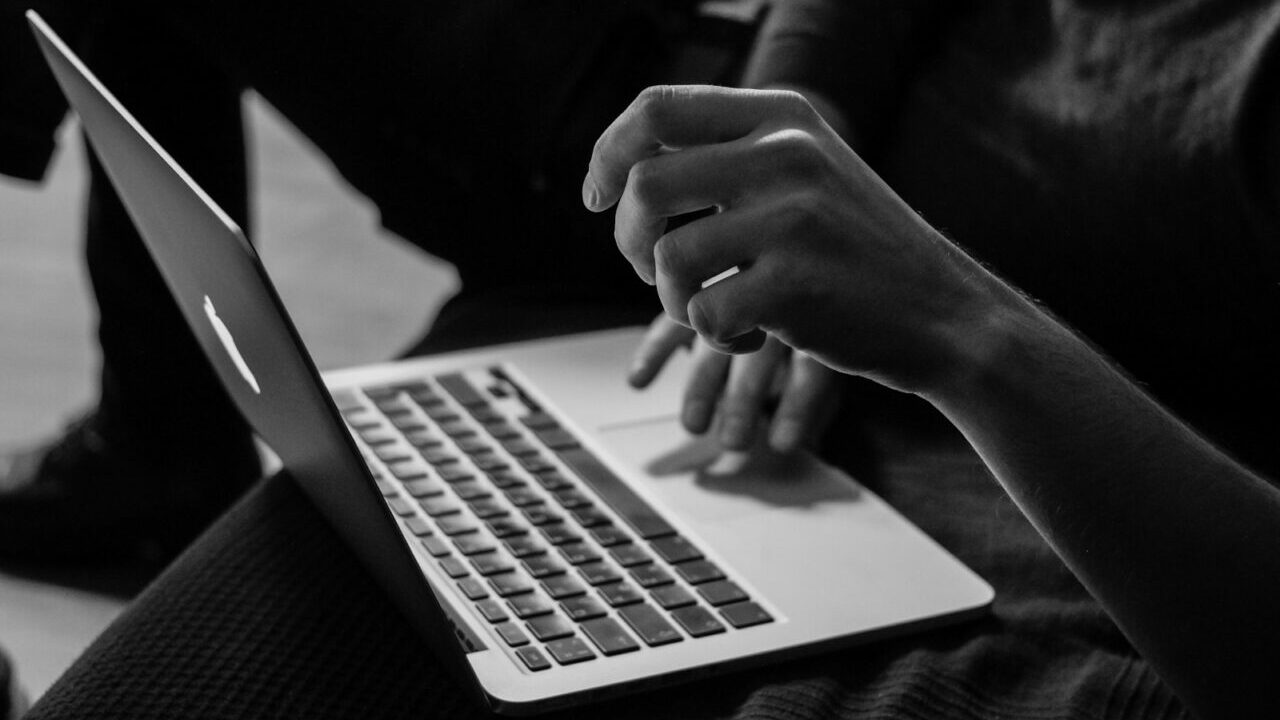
(228, 300)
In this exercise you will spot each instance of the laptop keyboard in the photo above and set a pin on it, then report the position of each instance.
(554, 550)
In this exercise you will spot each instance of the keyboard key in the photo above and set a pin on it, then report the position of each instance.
(578, 553)
(550, 627)
(609, 635)
(535, 463)
(553, 480)
(423, 439)
(461, 389)
(522, 546)
(407, 470)
(402, 507)
(598, 573)
(522, 496)
(438, 506)
(489, 462)
(471, 490)
(570, 650)
(610, 535)
(378, 437)
(556, 438)
(570, 498)
(541, 515)
(563, 586)
(424, 396)
(492, 610)
(675, 549)
(486, 508)
(510, 583)
(512, 634)
(589, 516)
(454, 567)
(438, 456)
(630, 555)
(503, 479)
(651, 575)
(617, 494)
(533, 658)
(408, 423)
(697, 621)
(454, 473)
(560, 534)
(721, 592)
(518, 446)
(650, 625)
(456, 525)
(672, 596)
(620, 593)
(530, 605)
(386, 487)
(502, 527)
(473, 588)
(540, 566)
(583, 608)
(418, 525)
(391, 453)
(539, 421)
(486, 414)
(473, 544)
(436, 545)
(474, 446)
(441, 413)
(696, 572)
(425, 487)
(456, 429)
(745, 614)
(501, 431)
(491, 563)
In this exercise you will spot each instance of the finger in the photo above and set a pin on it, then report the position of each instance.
(670, 185)
(809, 401)
(662, 339)
(672, 117)
(747, 391)
(706, 380)
(689, 256)
(728, 314)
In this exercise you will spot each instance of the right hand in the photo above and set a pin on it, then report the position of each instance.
(744, 389)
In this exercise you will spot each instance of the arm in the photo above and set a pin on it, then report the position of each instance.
(1170, 535)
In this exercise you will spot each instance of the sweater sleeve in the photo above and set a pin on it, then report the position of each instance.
(858, 53)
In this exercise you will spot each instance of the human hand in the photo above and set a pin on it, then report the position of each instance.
(744, 387)
(830, 260)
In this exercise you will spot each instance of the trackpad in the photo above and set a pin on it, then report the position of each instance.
(695, 477)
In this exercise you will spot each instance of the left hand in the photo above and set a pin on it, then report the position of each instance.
(744, 389)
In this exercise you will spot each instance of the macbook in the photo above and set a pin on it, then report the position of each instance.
(552, 533)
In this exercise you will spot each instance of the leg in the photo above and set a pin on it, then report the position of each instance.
(165, 451)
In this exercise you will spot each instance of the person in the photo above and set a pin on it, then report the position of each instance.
(1168, 532)
(105, 489)
(1090, 153)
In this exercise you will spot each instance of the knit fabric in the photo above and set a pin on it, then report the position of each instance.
(269, 615)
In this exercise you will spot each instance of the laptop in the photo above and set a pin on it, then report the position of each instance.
(553, 534)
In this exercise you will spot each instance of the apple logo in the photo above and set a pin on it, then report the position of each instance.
(229, 343)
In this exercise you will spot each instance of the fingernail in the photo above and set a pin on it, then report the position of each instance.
(590, 193)
(785, 436)
(735, 432)
(695, 416)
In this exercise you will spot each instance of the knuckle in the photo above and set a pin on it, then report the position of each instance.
(643, 181)
(668, 256)
(654, 100)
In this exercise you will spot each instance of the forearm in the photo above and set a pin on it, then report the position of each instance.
(1172, 536)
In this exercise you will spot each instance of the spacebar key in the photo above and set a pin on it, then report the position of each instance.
(624, 501)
